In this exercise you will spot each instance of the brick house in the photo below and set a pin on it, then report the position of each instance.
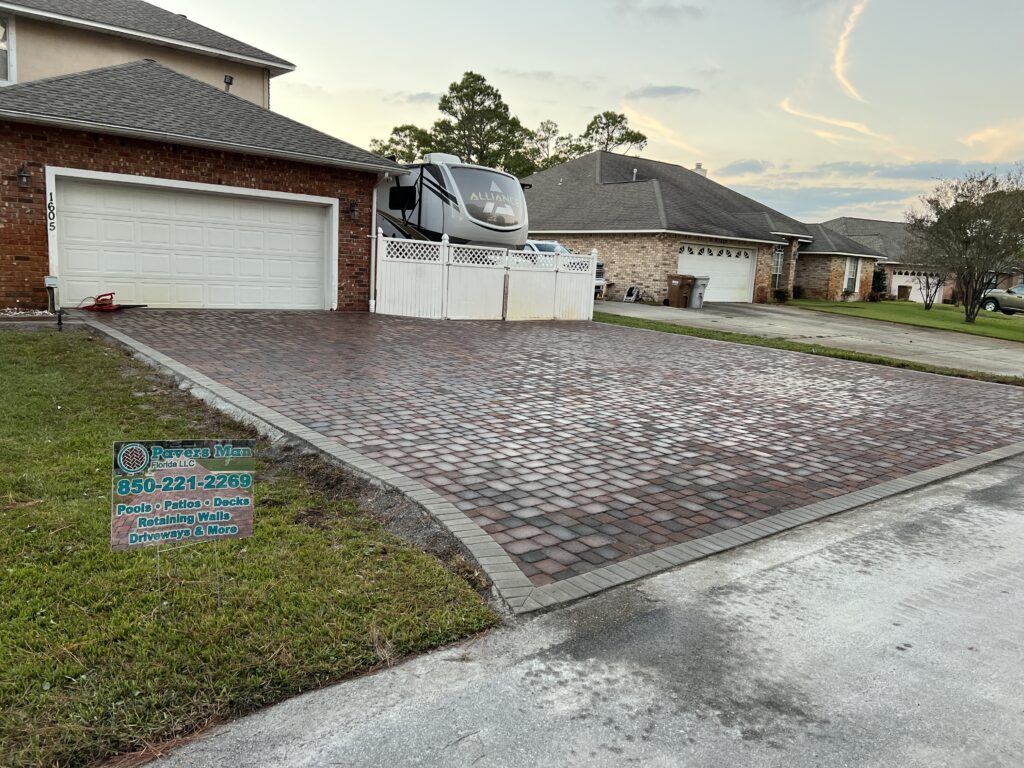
(890, 239)
(650, 219)
(151, 180)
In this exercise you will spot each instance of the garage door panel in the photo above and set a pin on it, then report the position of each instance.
(189, 249)
(117, 231)
(219, 266)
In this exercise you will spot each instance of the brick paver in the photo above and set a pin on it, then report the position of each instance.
(578, 445)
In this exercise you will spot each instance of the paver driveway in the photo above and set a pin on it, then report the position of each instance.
(577, 445)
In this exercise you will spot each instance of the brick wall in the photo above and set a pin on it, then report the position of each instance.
(24, 251)
(646, 260)
(824, 277)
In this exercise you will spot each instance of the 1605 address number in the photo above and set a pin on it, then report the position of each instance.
(192, 483)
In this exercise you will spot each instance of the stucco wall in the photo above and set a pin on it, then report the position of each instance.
(43, 50)
(646, 260)
(24, 242)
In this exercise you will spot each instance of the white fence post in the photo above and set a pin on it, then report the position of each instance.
(379, 249)
(446, 265)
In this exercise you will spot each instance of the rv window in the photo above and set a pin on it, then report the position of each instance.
(402, 198)
(490, 198)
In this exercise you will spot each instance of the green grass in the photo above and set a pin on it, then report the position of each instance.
(795, 346)
(99, 656)
(943, 317)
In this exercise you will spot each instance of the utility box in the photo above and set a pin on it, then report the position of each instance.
(700, 287)
(903, 292)
(679, 289)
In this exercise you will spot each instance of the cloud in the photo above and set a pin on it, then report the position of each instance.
(840, 60)
(1000, 142)
(530, 74)
(662, 92)
(745, 167)
(659, 10)
(658, 131)
(786, 106)
(422, 97)
(823, 202)
(710, 71)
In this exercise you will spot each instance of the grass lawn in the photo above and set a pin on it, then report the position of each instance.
(97, 655)
(795, 346)
(943, 317)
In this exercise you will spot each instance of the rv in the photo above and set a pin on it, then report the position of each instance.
(444, 196)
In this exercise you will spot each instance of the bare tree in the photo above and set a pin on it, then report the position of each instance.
(930, 284)
(973, 230)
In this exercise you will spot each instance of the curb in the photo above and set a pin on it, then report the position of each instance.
(511, 584)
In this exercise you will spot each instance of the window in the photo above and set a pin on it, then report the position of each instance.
(852, 274)
(777, 256)
(6, 51)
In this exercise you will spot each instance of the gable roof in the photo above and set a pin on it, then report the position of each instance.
(886, 237)
(146, 100)
(600, 192)
(828, 242)
(138, 19)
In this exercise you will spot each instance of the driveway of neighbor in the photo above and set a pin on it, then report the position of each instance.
(578, 446)
(889, 636)
(904, 342)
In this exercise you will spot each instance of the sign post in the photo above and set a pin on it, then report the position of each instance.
(181, 492)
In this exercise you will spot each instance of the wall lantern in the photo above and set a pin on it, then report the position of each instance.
(353, 210)
(24, 176)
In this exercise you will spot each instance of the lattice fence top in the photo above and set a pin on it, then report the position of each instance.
(574, 263)
(478, 256)
(532, 260)
(412, 250)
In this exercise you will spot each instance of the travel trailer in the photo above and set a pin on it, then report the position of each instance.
(444, 196)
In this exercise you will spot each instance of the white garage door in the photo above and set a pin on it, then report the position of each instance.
(731, 270)
(167, 247)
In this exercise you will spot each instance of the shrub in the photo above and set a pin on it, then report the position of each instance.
(874, 296)
(879, 282)
(798, 291)
(781, 295)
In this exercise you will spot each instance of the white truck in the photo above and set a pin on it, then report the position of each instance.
(444, 196)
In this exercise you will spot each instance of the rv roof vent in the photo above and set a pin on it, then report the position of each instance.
(440, 158)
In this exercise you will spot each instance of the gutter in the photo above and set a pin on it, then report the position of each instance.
(652, 232)
(173, 138)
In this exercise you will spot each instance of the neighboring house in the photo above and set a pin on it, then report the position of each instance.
(650, 219)
(890, 239)
(141, 179)
(47, 38)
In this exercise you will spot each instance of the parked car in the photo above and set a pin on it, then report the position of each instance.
(553, 246)
(1008, 301)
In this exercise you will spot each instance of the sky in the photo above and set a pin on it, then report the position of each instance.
(818, 108)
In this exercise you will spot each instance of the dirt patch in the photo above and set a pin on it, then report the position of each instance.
(398, 514)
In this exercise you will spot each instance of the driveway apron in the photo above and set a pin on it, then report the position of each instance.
(576, 446)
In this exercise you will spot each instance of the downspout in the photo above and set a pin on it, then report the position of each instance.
(373, 243)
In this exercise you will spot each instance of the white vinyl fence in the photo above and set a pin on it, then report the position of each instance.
(441, 281)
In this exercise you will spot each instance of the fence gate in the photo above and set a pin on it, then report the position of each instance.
(417, 278)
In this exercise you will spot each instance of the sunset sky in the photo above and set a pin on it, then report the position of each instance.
(819, 108)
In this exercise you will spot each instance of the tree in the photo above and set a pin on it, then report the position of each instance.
(971, 229)
(610, 131)
(479, 127)
(930, 284)
(407, 143)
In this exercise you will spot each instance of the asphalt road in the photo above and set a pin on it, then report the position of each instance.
(890, 636)
(905, 342)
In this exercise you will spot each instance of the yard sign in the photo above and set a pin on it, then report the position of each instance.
(181, 492)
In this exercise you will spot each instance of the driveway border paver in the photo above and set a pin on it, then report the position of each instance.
(511, 584)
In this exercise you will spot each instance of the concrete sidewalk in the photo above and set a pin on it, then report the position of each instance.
(885, 637)
(904, 342)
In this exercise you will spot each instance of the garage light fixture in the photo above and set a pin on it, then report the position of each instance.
(24, 176)
(353, 210)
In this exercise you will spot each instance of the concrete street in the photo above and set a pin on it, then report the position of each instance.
(888, 636)
(905, 342)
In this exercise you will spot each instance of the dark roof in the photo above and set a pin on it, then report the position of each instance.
(828, 242)
(147, 100)
(135, 18)
(599, 192)
(887, 237)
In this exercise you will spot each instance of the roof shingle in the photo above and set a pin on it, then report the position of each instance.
(135, 16)
(148, 100)
(887, 237)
